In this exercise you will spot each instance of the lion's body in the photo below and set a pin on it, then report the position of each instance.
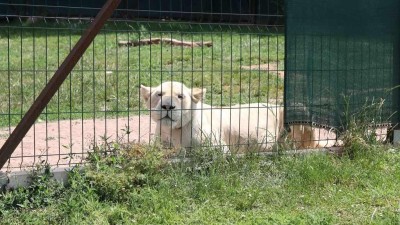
(183, 120)
(256, 124)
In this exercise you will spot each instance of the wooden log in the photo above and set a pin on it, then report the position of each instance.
(173, 42)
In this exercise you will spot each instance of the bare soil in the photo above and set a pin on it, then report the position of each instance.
(67, 142)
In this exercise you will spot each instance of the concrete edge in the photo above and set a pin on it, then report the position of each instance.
(17, 179)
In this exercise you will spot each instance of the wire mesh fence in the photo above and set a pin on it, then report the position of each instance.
(193, 74)
(235, 53)
(343, 65)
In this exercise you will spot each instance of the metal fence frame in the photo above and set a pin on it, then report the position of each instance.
(34, 25)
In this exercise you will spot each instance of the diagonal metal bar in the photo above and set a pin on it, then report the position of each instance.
(55, 82)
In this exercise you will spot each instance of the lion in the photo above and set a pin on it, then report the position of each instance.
(305, 136)
(254, 126)
(183, 120)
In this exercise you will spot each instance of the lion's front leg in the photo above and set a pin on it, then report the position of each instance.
(211, 137)
(217, 141)
(163, 136)
(157, 134)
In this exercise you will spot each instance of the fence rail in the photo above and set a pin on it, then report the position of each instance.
(221, 11)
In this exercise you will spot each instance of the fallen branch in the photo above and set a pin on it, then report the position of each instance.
(170, 41)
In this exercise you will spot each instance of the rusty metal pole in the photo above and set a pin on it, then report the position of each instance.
(55, 82)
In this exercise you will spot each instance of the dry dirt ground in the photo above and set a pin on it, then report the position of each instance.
(67, 142)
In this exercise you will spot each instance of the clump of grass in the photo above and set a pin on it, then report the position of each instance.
(360, 126)
(133, 166)
(43, 191)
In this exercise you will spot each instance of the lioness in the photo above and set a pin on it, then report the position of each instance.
(183, 120)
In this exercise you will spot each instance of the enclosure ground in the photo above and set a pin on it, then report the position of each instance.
(66, 142)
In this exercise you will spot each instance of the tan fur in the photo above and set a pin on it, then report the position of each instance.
(192, 122)
(306, 136)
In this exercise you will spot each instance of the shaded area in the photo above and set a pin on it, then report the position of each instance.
(218, 11)
(341, 55)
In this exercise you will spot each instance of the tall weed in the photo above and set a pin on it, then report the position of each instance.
(360, 126)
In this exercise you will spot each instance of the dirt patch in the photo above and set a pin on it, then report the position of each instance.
(270, 67)
(67, 142)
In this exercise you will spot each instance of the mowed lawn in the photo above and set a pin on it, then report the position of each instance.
(105, 82)
(136, 185)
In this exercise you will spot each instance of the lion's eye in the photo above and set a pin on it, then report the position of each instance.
(181, 96)
(159, 94)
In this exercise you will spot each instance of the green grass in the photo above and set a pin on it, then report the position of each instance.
(136, 185)
(105, 81)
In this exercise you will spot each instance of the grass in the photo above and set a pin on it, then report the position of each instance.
(105, 81)
(135, 185)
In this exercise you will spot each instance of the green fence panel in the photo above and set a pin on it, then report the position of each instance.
(337, 50)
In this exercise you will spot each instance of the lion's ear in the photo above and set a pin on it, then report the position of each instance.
(198, 94)
(145, 92)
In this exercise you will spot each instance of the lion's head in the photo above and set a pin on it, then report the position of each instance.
(171, 103)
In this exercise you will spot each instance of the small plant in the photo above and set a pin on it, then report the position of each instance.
(246, 200)
(42, 191)
(203, 157)
(360, 126)
(114, 176)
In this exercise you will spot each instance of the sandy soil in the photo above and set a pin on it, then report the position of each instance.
(67, 142)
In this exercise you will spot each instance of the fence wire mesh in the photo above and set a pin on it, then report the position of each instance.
(342, 62)
(233, 49)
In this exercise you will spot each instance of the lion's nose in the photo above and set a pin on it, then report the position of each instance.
(168, 107)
